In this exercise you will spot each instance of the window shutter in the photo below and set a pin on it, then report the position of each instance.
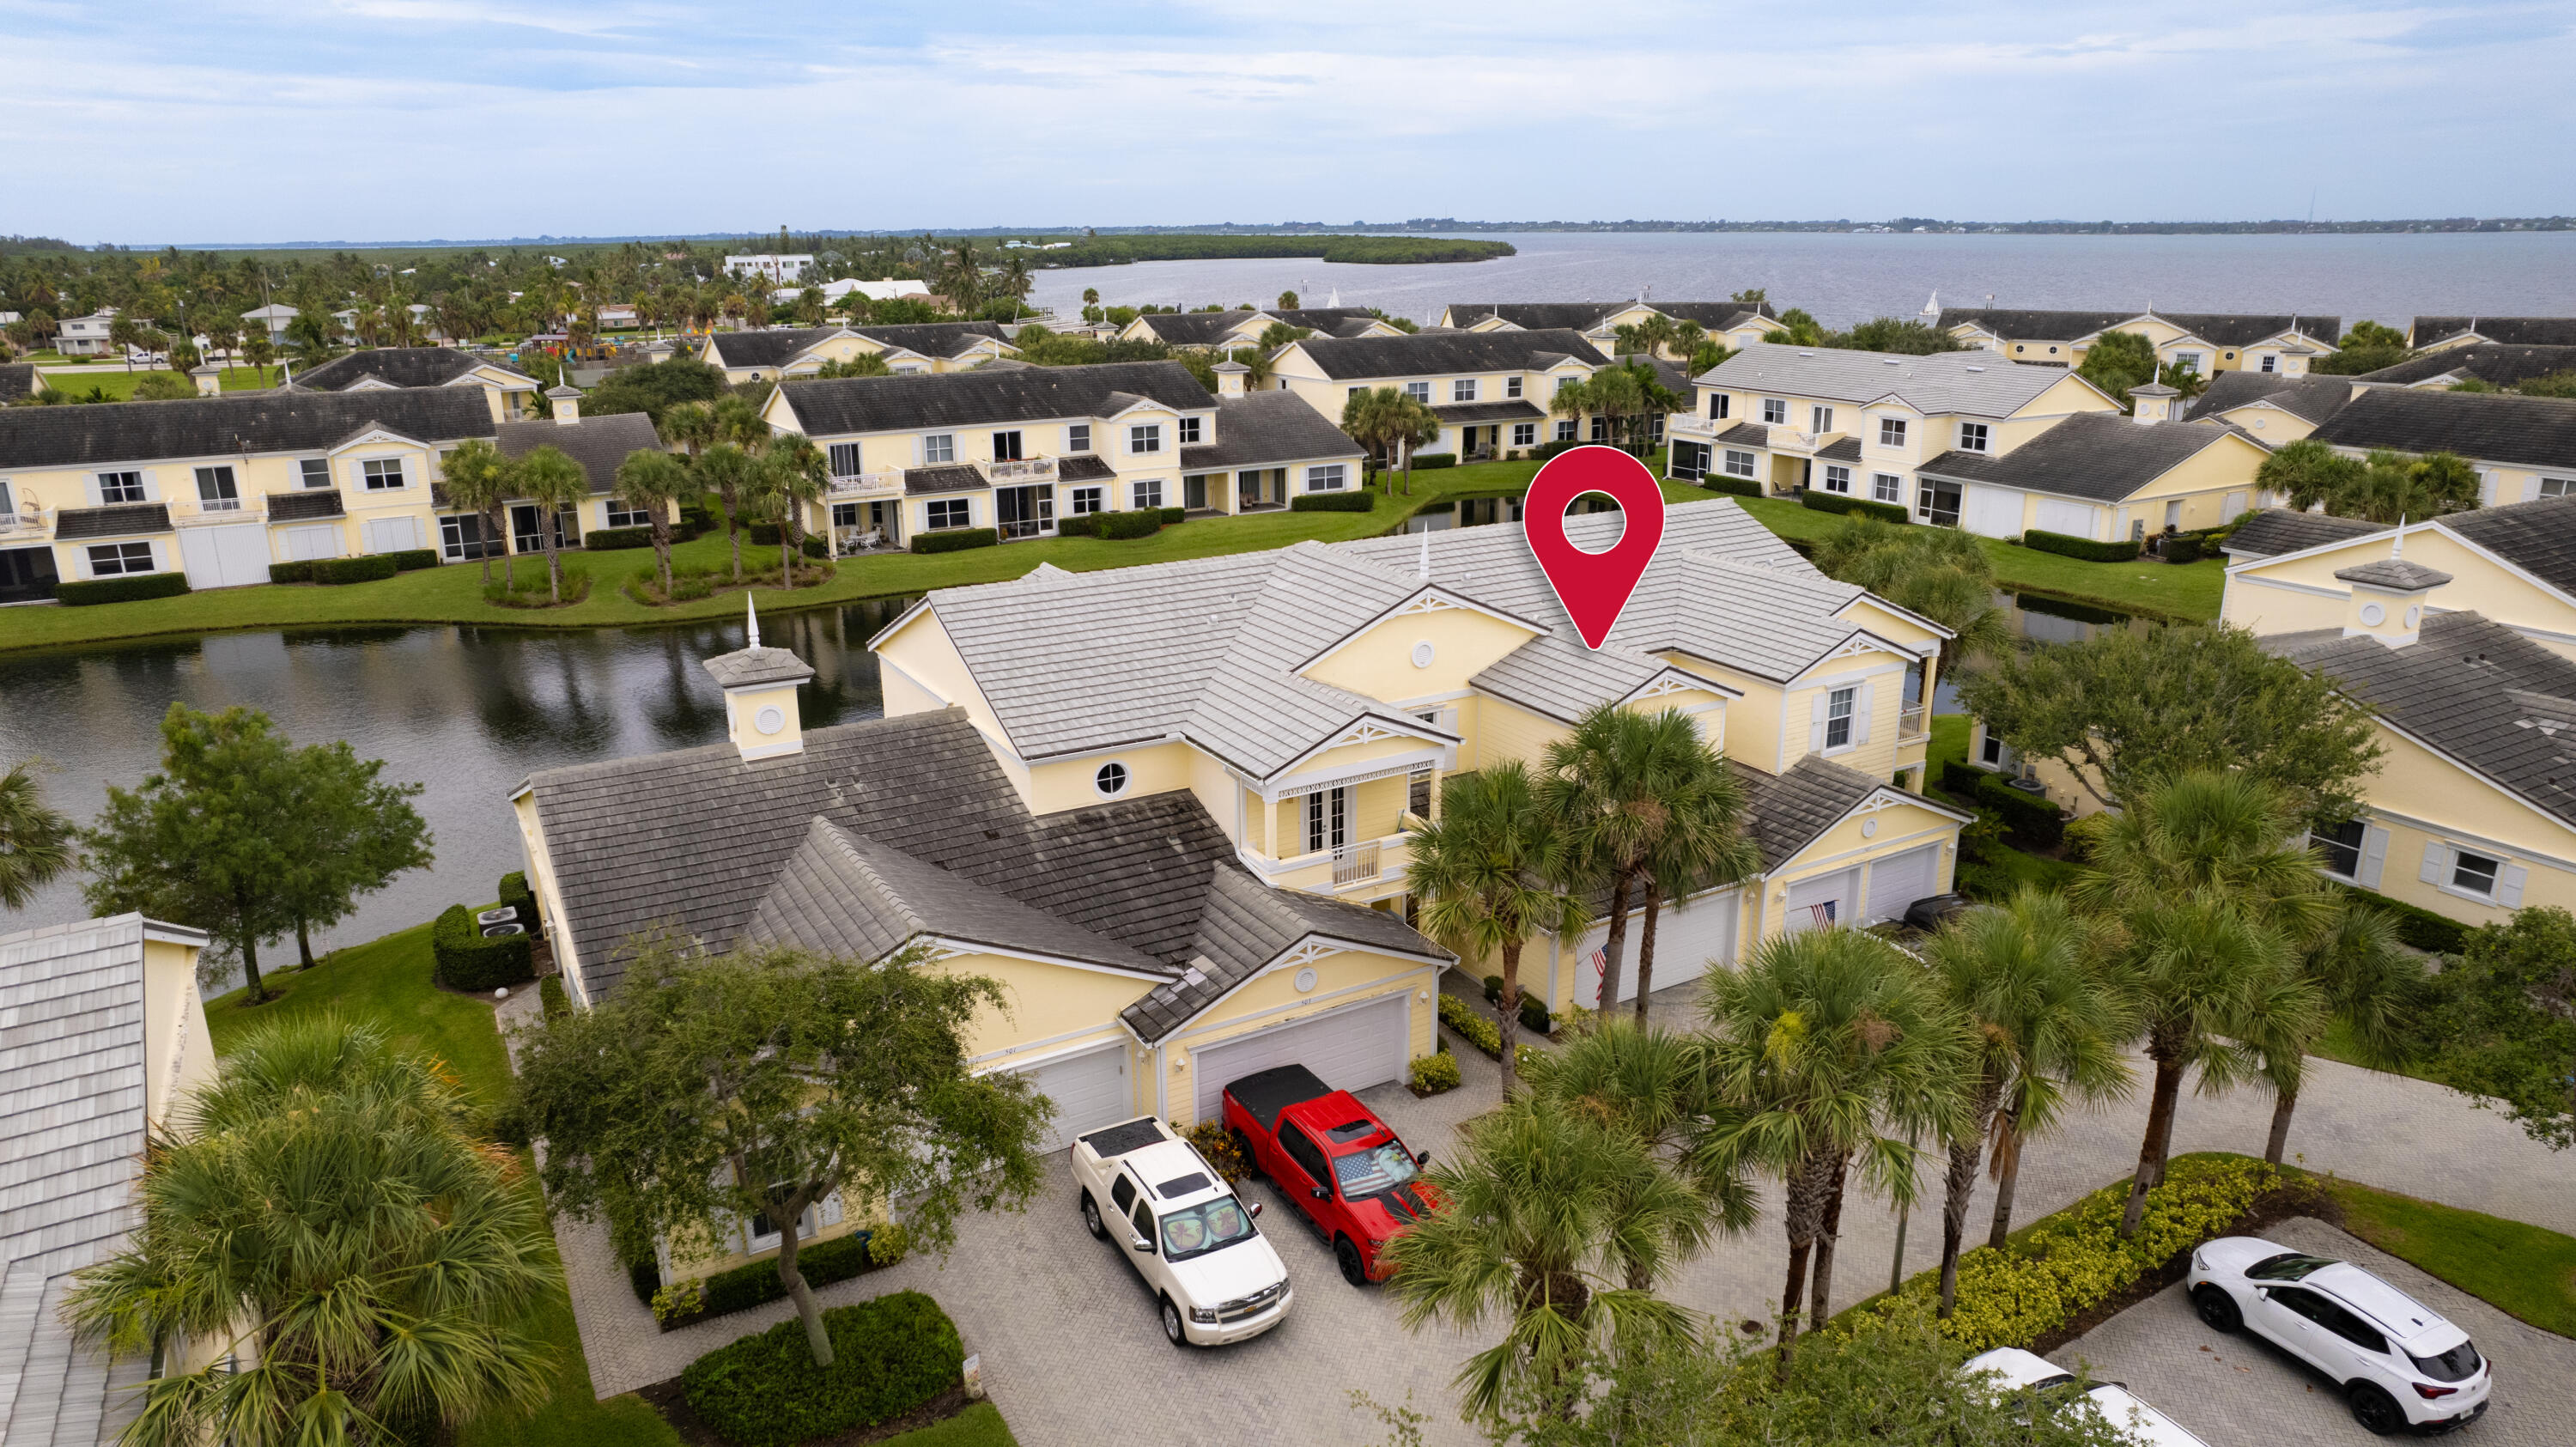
(1862, 706)
(2437, 857)
(2509, 886)
(831, 1209)
(2374, 855)
(1816, 720)
(2530, 489)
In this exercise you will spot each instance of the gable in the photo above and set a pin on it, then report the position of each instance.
(1889, 817)
(1428, 646)
(2069, 393)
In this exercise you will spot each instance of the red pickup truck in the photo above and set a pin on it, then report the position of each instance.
(1345, 1169)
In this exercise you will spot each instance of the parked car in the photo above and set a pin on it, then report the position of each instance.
(1348, 1171)
(2399, 1363)
(1215, 1280)
(2132, 1418)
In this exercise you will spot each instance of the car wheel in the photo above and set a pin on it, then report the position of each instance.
(1354, 1270)
(1091, 1218)
(1172, 1331)
(1243, 1148)
(2217, 1310)
(2375, 1410)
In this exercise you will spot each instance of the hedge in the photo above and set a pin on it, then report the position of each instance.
(467, 961)
(412, 560)
(1822, 501)
(120, 590)
(955, 540)
(551, 998)
(744, 1287)
(605, 540)
(765, 535)
(1085, 525)
(353, 570)
(889, 1356)
(1331, 502)
(1548, 450)
(2181, 548)
(1433, 1073)
(299, 571)
(2035, 821)
(2421, 928)
(516, 894)
(1172, 515)
(2085, 548)
(1121, 525)
(1718, 482)
(1434, 461)
(1478, 1031)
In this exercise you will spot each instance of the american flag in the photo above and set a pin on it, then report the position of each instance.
(1599, 960)
(1823, 914)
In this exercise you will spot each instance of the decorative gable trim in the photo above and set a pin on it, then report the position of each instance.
(377, 437)
(1429, 598)
(1670, 680)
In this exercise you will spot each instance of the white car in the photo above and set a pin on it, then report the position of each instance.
(1215, 1278)
(2399, 1363)
(2140, 1423)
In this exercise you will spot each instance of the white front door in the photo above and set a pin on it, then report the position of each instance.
(391, 535)
(1688, 942)
(1350, 1049)
(1825, 900)
(307, 544)
(1089, 1090)
(225, 557)
(1900, 879)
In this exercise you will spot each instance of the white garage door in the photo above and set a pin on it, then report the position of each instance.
(2074, 519)
(1089, 1091)
(1992, 512)
(1352, 1049)
(225, 557)
(306, 544)
(1687, 942)
(1826, 899)
(392, 535)
(1898, 880)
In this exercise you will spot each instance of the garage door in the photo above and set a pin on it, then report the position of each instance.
(1900, 879)
(1352, 1049)
(1687, 942)
(1089, 1091)
(392, 535)
(1992, 512)
(225, 557)
(2073, 519)
(306, 544)
(1827, 899)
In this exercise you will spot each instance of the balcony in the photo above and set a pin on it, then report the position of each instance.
(865, 484)
(1791, 440)
(210, 512)
(1035, 469)
(1354, 864)
(1691, 424)
(1914, 722)
(28, 521)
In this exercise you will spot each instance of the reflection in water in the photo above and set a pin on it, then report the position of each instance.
(2038, 618)
(468, 712)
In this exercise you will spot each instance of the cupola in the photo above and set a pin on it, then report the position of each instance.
(2154, 402)
(566, 401)
(760, 695)
(209, 379)
(2388, 596)
(1229, 377)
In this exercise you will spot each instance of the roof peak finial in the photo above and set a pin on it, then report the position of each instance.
(1425, 566)
(2397, 544)
(751, 611)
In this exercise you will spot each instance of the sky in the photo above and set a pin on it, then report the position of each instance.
(381, 120)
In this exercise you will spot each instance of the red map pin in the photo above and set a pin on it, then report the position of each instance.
(1594, 586)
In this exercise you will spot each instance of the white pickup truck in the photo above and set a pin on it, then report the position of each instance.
(1214, 1277)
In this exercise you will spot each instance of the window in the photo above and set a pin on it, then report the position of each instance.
(1511, 386)
(1327, 477)
(1375, 1170)
(2341, 847)
(1112, 778)
(215, 490)
(1006, 447)
(316, 471)
(1146, 494)
(621, 514)
(1891, 432)
(1775, 411)
(1717, 406)
(1837, 479)
(1838, 718)
(120, 487)
(1211, 1225)
(1566, 430)
(2557, 486)
(1738, 464)
(1463, 390)
(2271, 363)
(1084, 500)
(1123, 1193)
(461, 538)
(1887, 487)
(1524, 434)
(1327, 819)
(948, 512)
(1190, 434)
(1690, 460)
(1145, 437)
(1419, 392)
(1143, 1216)
(939, 447)
(2474, 873)
(845, 515)
(1308, 1156)
(1194, 490)
(1355, 392)
(1972, 437)
(1820, 419)
(383, 474)
(1600, 429)
(1077, 437)
(110, 560)
(2193, 360)
(1564, 382)
(1995, 753)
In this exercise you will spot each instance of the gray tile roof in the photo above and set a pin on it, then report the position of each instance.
(2278, 530)
(917, 480)
(2525, 331)
(2314, 398)
(1584, 315)
(1085, 467)
(936, 339)
(1841, 449)
(600, 444)
(2474, 689)
(17, 379)
(1201, 329)
(72, 1123)
(1746, 434)
(2102, 456)
(774, 347)
(115, 520)
(987, 396)
(2226, 329)
(1245, 925)
(1266, 429)
(2537, 537)
(1790, 811)
(296, 507)
(745, 667)
(241, 422)
(2399, 574)
(400, 366)
(2499, 364)
(2481, 426)
(1978, 384)
(1441, 353)
(1474, 412)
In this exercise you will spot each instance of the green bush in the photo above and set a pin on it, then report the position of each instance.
(955, 540)
(2034, 819)
(1960, 777)
(2085, 548)
(412, 560)
(1433, 1073)
(467, 961)
(1434, 461)
(299, 571)
(120, 590)
(1172, 515)
(765, 535)
(2421, 928)
(645, 1279)
(1493, 989)
(1534, 1016)
(604, 540)
(889, 1356)
(1736, 486)
(1122, 525)
(1547, 450)
(2182, 548)
(888, 1243)
(1820, 500)
(1079, 525)
(516, 894)
(367, 569)
(551, 997)
(1474, 1028)
(1360, 501)
(749, 1285)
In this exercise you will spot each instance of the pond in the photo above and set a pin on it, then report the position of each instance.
(468, 712)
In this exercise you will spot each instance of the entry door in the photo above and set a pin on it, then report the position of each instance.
(1025, 512)
(26, 573)
(1248, 487)
(391, 535)
(1938, 503)
(525, 520)
(225, 557)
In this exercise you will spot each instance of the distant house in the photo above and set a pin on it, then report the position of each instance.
(1731, 324)
(86, 336)
(600, 444)
(1218, 331)
(2498, 364)
(2523, 448)
(271, 319)
(512, 393)
(2207, 342)
(777, 353)
(1490, 390)
(2274, 406)
(772, 267)
(2447, 333)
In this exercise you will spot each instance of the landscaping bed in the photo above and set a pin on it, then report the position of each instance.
(898, 1366)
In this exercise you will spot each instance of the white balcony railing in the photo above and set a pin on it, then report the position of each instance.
(209, 511)
(1034, 469)
(865, 484)
(11, 522)
(1913, 723)
(1691, 424)
(1355, 863)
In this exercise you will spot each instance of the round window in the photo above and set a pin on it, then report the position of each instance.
(2372, 615)
(1112, 779)
(2413, 616)
(1868, 828)
(769, 720)
(1423, 653)
(1305, 980)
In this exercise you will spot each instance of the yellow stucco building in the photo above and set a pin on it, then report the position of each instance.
(2207, 342)
(1490, 390)
(777, 353)
(1728, 323)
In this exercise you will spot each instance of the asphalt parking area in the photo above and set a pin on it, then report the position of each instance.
(2241, 1391)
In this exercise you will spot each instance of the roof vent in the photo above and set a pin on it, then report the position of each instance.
(1976, 369)
(1891, 361)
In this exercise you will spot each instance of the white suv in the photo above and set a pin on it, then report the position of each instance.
(2400, 1364)
(2030, 1372)
(1214, 1276)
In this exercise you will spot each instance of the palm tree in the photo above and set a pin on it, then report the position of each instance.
(1486, 870)
(1260, 367)
(555, 483)
(1543, 1214)
(35, 841)
(690, 426)
(791, 479)
(480, 480)
(2364, 979)
(125, 333)
(1822, 1046)
(259, 350)
(2046, 1022)
(325, 1221)
(654, 482)
(731, 474)
(1688, 337)
(1369, 419)
(2212, 904)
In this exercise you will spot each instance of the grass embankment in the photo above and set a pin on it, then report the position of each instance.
(118, 383)
(2524, 1271)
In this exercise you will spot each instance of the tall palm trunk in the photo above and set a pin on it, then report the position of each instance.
(2284, 1101)
(554, 565)
(2005, 1167)
(1829, 1230)
(1807, 1187)
(2159, 1138)
(1615, 946)
(662, 545)
(1646, 945)
(1511, 1024)
(733, 530)
(1957, 1187)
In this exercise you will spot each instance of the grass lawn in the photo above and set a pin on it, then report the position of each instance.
(118, 383)
(2522, 1270)
(385, 980)
(980, 1425)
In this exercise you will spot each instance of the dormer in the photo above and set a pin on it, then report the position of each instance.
(2388, 597)
(760, 695)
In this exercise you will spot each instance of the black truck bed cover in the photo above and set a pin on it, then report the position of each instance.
(1268, 1092)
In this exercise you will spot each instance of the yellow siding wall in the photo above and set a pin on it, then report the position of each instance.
(1506, 731)
(2423, 789)
(1047, 1006)
(1379, 662)
(179, 1051)
(2478, 584)
(2275, 425)
(1152, 769)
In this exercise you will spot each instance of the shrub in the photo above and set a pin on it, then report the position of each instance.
(2182, 548)
(603, 540)
(1216, 1143)
(2421, 928)
(645, 1277)
(1822, 501)
(955, 540)
(2034, 819)
(1433, 1073)
(1474, 1028)
(1493, 989)
(888, 1243)
(1534, 1016)
(366, 569)
(532, 591)
(680, 1301)
(1434, 461)
(1172, 515)
(2085, 548)
(515, 893)
(468, 961)
(1547, 450)
(412, 560)
(299, 571)
(1080, 525)
(1123, 525)
(889, 1356)
(754, 1283)
(1333, 501)
(1732, 485)
(120, 590)
(551, 997)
